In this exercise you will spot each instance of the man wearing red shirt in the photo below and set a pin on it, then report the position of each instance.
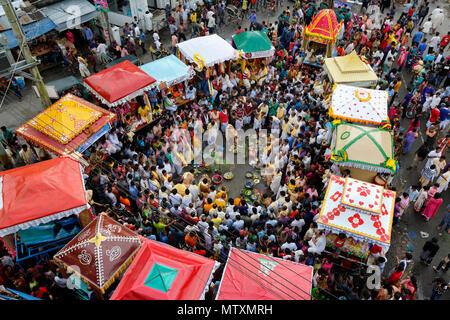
(445, 40)
(223, 116)
(434, 115)
(239, 30)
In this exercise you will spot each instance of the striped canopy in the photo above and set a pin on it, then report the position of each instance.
(324, 26)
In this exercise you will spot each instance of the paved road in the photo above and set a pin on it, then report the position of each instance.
(13, 114)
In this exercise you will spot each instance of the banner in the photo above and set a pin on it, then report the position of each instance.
(101, 5)
(94, 137)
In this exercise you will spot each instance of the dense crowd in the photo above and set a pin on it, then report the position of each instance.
(142, 179)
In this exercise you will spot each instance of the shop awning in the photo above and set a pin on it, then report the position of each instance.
(32, 31)
(170, 70)
(40, 193)
(70, 13)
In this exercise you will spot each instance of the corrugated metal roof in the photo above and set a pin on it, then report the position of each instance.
(68, 13)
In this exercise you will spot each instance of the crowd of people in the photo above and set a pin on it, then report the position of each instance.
(143, 181)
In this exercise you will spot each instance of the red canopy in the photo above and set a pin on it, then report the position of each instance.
(324, 25)
(162, 272)
(119, 83)
(252, 276)
(40, 193)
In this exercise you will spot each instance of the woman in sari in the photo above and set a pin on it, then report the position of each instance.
(409, 139)
(443, 181)
(421, 199)
(402, 58)
(432, 207)
(414, 124)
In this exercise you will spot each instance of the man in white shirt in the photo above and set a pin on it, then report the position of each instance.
(433, 43)
(298, 222)
(137, 31)
(427, 26)
(155, 36)
(317, 243)
(101, 48)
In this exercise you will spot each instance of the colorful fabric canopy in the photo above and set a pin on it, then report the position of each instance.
(40, 193)
(65, 119)
(119, 84)
(100, 252)
(207, 50)
(362, 105)
(339, 215)
(363, 147)
(350, 69)
(251, 276)
(162, 272)
(170, 70)
(255, 44)
(69, 124)
(324, 27)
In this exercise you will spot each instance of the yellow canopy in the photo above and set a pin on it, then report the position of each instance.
(349, 68)
(65, 119)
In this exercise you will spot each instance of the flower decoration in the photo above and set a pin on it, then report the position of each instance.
(336, 196)
(363, 191)
(200, 62)
(391, 164)
(340, 155)
(385, 125)
(335, 123)
(383, 210)
(323, 219)
(356, 220)
(363, 96)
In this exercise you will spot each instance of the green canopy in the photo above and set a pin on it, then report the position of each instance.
(255, 44)
(161, 277)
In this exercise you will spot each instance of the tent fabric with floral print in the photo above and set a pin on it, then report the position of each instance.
(337, 216)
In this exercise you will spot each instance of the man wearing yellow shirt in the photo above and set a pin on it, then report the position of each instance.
(216, 220)
(397, 85)
(193, 16)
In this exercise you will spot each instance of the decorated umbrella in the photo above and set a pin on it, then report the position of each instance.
(361, 105)
(207, 51)
(100, 252)
(162, 272)
(255, 44)
(363, 147)
(350, 70)
(39, 193)
(119, 84)
(252, 276)
(70, 124)
(169, 70)
(324, 28)
(361, 210)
